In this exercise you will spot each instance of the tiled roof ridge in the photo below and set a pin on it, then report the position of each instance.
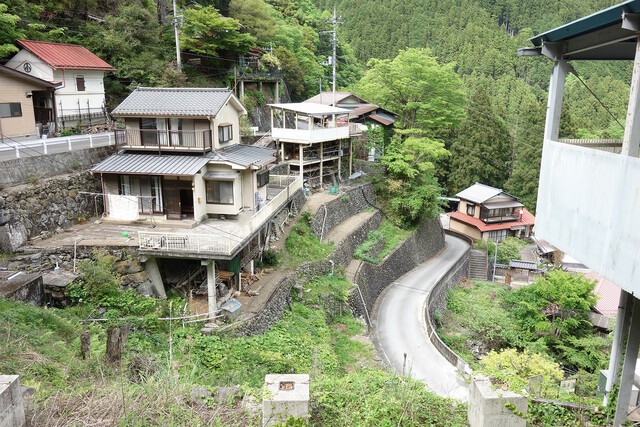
(184, 89)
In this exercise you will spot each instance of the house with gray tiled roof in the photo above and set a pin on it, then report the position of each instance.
(210, 202)
(182, 157)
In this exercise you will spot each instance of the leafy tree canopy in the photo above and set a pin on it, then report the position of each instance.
(425, 94)
(206, 31)
(9, 32)
(410, 186)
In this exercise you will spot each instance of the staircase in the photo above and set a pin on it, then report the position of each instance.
(478, 265)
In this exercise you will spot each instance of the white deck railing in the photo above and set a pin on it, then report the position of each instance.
(176, 242)
(13, 149)
(218, 244)
(311, 135)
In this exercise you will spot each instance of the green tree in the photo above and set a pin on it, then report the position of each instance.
(425, 94)
(410, 186)
(206, 31)
(9, 32)
(255, 17)
(481, 151)
(514, 368)
(553, 317)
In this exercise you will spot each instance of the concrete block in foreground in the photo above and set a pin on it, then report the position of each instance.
(487, 405)
(286, 395)
(11, 406)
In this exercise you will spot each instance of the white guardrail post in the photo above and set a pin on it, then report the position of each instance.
(69, 142)
(44, 146)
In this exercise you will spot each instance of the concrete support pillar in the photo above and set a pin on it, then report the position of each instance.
(350, 156)
(152, 269)
(621, 331)
(211, 287)
(629, 367)
(321, 162)
(300, 153)
(276, 95)
(631, 140)
(554, 105)
(241, 90)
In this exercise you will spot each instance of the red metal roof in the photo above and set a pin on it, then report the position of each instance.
(607, 292)
(527, 219)
(65, 56)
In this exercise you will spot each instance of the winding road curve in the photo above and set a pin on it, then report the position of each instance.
(399, 325)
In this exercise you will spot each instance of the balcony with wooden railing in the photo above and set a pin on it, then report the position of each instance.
(165, 140)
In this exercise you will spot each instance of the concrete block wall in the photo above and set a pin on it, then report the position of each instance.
(26, 169)
(11, 402)
(488, 406)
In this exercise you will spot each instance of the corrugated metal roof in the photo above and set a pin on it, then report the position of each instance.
(166, 102)
(593, 22)
(326, 98)
(150, 164)
(65, 56)
(378, 118)
(500, 205)
(244, 155)
(478, 193)
(310, 108)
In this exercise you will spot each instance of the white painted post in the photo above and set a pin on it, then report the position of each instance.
(632, 127)
(211, 288)
(554, 105)
(90, 141)
(44, 146)
(69, 143)
(17, 150)
(109, 136)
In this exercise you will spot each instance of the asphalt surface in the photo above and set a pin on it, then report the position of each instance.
(399, 325)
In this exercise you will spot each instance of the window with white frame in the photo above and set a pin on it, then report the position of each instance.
(219, 192)
(225, 133)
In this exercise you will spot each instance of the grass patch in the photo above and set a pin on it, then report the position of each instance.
(381, 242)
(302, 245)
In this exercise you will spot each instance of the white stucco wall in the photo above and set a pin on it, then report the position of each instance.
(588, 203)
(67, 97)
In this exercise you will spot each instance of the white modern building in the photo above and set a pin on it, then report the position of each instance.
(589, 198)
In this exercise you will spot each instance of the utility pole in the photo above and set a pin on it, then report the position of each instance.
(334, 21)
(177, 23)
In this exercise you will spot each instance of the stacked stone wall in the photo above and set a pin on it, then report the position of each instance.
(44, 208)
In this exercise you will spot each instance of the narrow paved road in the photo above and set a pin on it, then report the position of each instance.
(399, 328)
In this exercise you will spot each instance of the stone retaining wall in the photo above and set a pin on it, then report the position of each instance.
(280, 298)
(352, 202)
(46, 207)
(27, 169)
(372, 279)
(343, 253)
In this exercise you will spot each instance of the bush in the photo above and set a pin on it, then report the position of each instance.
(514, 369)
